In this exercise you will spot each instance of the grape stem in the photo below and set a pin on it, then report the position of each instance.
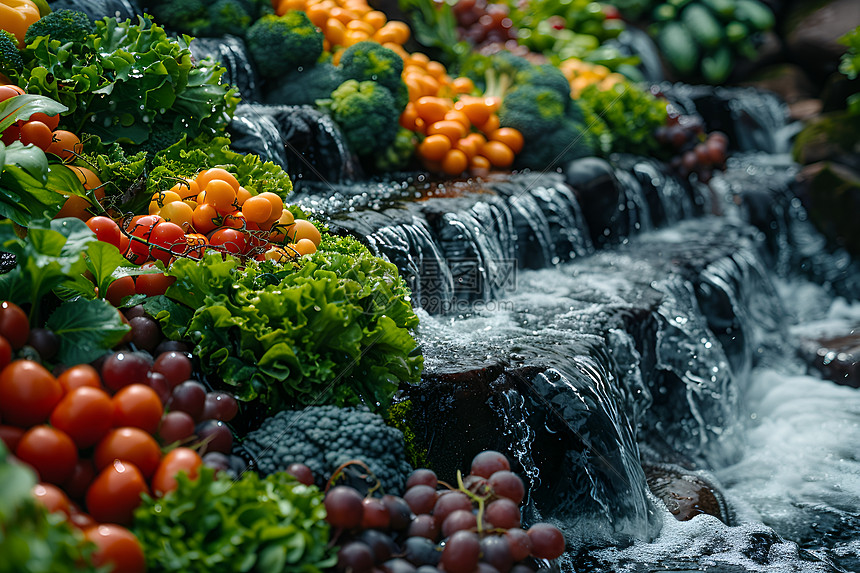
(474, 497)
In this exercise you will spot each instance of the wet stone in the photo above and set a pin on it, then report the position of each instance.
(685, 494)
(836, 358)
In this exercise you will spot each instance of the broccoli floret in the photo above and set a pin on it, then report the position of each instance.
(186, 15)
(551, 124)
(305, 87)
(280, 44)
(62, 25)
(367, 114)
(533, 111)
(398, 154)
(544, 76)
(228, 17)
(557, 147)
(324, 437)
(372, 61)
(10, 57)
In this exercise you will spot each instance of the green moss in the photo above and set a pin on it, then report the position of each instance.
(400, 416)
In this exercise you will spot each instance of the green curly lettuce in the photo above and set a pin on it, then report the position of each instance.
(124, 78)
(631, 114)
(332, 329)
(214, 524)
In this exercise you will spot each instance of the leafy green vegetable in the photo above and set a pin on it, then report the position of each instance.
(211, 524)
(86, 329)
(333, 329)
(55, 259)
(21, 107)
(119, 80)
(185, 159)
(47, 258)
(850, 65)
(631, 114)
(31, 539)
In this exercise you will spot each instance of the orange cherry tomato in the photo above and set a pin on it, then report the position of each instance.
(510, 137)
(459, 117)
(453, 130)
(205, 218)
(499, 154)
(462, 85)
(64, 144)
(479, 166)
(454, 162)
(304, 229)
(216, 173)
(257, 209)
(434, 147)
(475, 108)
(37, 133)
(491, 125)
(432, 109)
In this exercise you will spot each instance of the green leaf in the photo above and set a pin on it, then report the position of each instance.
(21, 107)
(174, 317)
(87, 329)
(102, 260)
(29, 158)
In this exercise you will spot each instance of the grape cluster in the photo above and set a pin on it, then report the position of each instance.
(694, 150)
(474, 528)
(482, 23)
(193, 415)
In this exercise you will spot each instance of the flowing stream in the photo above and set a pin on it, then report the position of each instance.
(611, 318)
(595, 322)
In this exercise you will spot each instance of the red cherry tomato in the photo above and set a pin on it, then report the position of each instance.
(84, 414)
(131, 445)
(106, 230)
(28, 393)
(14, 324)
(37, 133)
(176, 461)
(138, 406)
(118, 547)
(115, 493)
(51, 452)
(52, 498)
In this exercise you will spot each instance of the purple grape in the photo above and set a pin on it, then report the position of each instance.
(461, 552)
(216, 436)
(220, 406)
(190, 397)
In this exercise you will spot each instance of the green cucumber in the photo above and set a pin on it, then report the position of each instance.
(754, 14)
(736, 32)
(678, 47)
(723, 8)
(678, 4)
(716, 67)
(703, 26)
(664, 13)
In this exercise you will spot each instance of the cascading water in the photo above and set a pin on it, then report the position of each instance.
(651, 349)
